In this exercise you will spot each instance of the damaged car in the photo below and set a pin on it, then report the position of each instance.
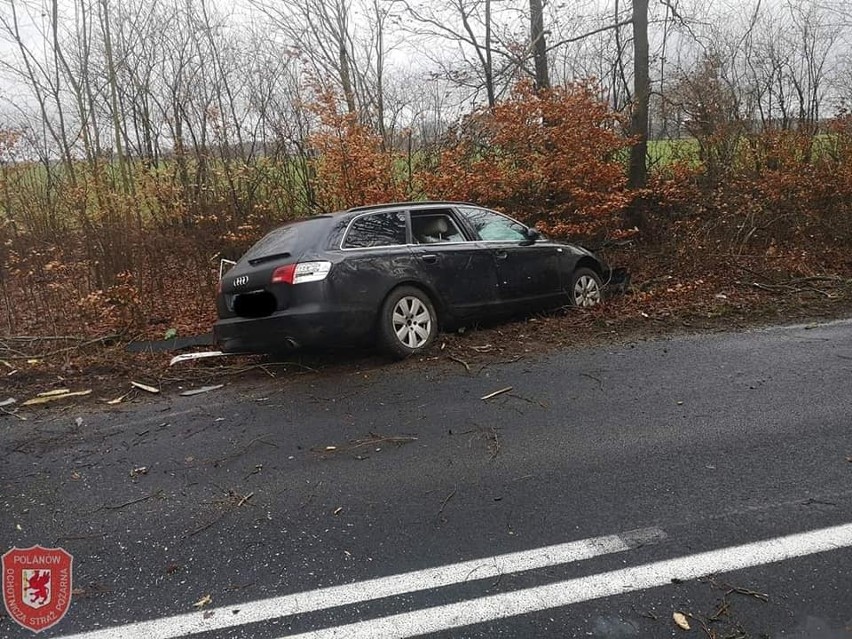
(395, 274)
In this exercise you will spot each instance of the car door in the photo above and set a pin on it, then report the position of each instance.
(452, 263)
(374, 257)
(526, 270)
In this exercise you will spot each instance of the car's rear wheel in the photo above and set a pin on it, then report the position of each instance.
(408, 323)
(586, 288)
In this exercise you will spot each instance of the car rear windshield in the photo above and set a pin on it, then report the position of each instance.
(289, 240)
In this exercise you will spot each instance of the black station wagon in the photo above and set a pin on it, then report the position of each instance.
(395, 273)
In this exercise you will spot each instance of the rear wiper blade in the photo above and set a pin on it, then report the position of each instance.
(268, 258)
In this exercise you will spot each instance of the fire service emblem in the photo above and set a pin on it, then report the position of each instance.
(37, 586)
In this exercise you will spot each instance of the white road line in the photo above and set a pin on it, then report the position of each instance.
(563, 593)
(310, 601)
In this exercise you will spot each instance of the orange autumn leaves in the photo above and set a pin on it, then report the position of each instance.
(351, 163)
(551, 158)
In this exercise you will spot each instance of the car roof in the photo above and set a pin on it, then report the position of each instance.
(389, 206)
(410, 204)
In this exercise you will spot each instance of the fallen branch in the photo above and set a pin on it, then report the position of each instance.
(263, 367)
(707, 631)
(372, 440)
(444, 503)
(131, 502)
(516, 358)
(597, 379)
(60, 540)
(44, 398)
(783, 288)
(820, 278)
(496, 393)
(487, 348)
(729, 589)
(300, 365)
(13, 414)
(527, 400)
(207, 525)
(244, 449)
(30, 339)
(46, 338)
(460, 361)
(380, 439)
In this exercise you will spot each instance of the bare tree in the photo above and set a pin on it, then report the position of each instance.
(538, 42)
(36, 73)
(321, 31)
(469, 25)
(638, 173)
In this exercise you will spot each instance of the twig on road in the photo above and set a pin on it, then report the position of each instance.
(13, 414)
(60, 540)
(487, 348)
(444, 503)
(707, 630)
(246, 369)
(130, 503)
(729, 589)
(597, 379)
(647, 615)
(244, 449)
(527, 400)
(373, 440)
(818, 502)
(496, 393)
(376, 438)
(460, 361)
(207, 525)
(512, 360)
(783, 288)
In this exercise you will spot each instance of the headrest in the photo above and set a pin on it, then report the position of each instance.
(435, 226)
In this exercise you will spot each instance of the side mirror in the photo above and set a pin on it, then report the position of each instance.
(533, 235)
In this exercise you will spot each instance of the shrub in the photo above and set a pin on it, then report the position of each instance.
(352, 166)
(553, 158)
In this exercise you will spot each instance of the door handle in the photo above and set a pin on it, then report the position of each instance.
(429, 259)
(501, 255)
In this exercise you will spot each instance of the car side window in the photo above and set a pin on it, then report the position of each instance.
(377, 229)
(493, 226)
(434, 228)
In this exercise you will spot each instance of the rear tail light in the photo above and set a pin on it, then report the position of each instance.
(301, 273)
(284, 274)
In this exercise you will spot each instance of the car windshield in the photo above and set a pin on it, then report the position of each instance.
(492, 226)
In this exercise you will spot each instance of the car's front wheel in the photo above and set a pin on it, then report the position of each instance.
(586, 288)
(408, 323)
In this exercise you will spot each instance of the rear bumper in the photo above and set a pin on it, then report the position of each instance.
(311, 325)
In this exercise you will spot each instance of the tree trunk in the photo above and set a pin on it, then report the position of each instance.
(489, 64)
(638, 175)
(380, 73)
(539, 45)
(112, 80)
(346, 78)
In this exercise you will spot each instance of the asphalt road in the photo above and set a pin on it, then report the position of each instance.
(689, 475)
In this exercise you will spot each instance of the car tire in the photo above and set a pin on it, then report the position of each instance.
(585, 289)
(408, 323)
